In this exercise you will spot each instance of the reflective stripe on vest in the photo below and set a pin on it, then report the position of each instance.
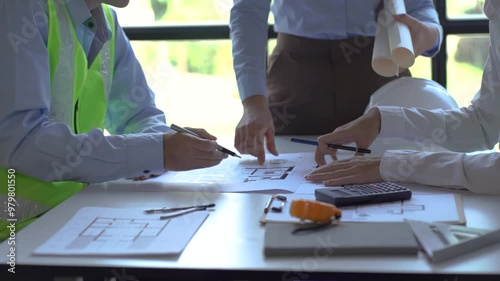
(72, 83)
(66, 78)
(18, 209)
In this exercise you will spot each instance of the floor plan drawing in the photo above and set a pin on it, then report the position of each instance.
(272, 173)
(105, 232)
(283, 173)
(391, 208)
(122, 231)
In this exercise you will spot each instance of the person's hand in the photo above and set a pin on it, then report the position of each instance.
(183, 152)
(361, 131)
(255, 125)
(423, 35)
(356, 170)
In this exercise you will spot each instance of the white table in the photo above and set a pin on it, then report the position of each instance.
(229, 245)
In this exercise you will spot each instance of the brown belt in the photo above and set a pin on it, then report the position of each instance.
(314, 86)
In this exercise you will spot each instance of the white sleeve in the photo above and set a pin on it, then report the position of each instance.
(479, 173)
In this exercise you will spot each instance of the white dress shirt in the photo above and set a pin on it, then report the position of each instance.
(474, 128)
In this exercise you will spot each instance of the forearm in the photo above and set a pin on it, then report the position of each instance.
(49, 151)
(463, 129)
(248, 30)
(477, 173)
(427, 14)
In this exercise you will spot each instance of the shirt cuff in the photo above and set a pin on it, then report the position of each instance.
(144, 154)
(437, 45)
(251, 84)
(396, 165)
(392, 122)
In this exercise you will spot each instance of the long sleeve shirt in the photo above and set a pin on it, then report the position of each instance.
(318, 19)
(36, 146)
(474, 128)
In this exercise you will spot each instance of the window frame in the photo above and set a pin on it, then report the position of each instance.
(221, 32)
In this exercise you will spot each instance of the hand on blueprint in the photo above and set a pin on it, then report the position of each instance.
(361, 131)
(356, 170)
(423, 35)
(183, 152)
(255, 125)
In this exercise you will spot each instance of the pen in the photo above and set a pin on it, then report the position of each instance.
(331, 145)
(219, 147)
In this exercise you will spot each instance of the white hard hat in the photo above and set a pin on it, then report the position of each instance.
(409, 92)
(413, 92)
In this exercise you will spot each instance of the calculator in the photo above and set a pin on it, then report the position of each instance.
(358, 194)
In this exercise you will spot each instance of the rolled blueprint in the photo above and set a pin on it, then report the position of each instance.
(400, 41)
(392, 41)
(382, 61)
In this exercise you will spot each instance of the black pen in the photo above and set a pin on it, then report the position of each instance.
(331, 145)
(219, 147)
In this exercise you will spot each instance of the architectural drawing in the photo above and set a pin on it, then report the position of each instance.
(278, 174)
(390, 208)
(105, 232)
(266, 173)
(122, 231)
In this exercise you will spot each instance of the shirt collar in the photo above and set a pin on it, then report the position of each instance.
(81, 16)
(78, 11)
(100, 21)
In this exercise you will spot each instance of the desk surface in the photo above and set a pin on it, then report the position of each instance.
(229, 245)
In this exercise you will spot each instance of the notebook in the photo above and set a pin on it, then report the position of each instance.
(375, 238)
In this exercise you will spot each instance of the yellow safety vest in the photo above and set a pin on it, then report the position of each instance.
(78, 99)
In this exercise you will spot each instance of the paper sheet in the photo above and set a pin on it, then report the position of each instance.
(393, 47)
(113, 231)
(424, 207)
(278, 174)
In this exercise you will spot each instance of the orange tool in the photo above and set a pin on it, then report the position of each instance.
(315, 211)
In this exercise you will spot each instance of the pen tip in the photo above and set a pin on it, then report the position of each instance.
(236, 155)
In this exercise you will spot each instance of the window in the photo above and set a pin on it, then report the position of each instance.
(466, 57)
(175, 12)
(466, 53)
(194, 82)
(465, 9)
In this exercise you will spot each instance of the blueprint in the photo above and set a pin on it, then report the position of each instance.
(283, 173)
(114, 231)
